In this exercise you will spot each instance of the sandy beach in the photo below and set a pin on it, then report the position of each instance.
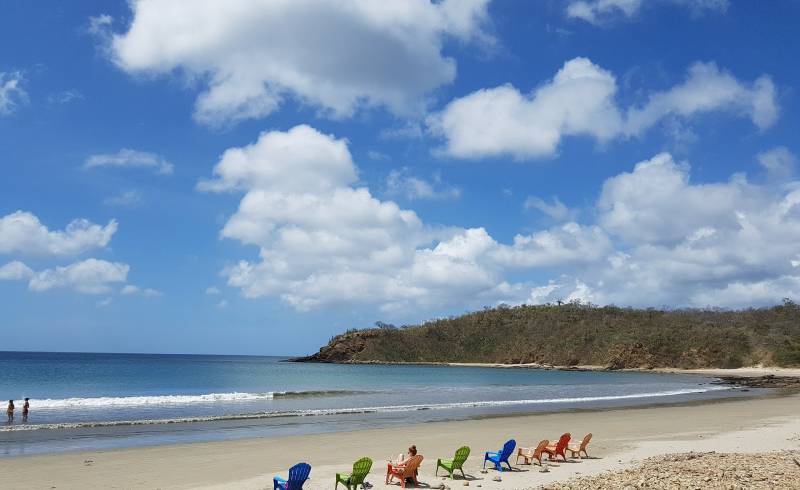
(622, 437)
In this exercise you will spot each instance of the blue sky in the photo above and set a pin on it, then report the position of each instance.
(254, 178)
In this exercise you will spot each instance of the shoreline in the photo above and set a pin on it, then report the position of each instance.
(752, 376)
(623, 436)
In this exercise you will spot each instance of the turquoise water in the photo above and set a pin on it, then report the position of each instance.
(95, 401)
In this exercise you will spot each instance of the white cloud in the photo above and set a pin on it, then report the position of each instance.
(592, 11)
(501, 120)
(579, 101)
(130, 289)
(323, 241)
(658, 238)
(656, 203)
(556, 210)
(402, 183)
(15, 271)
(730, 243)
(131, 158)
(223, 303)
(22, 232)
(338, 56)
(90, 276)
(11, 92)
(212, 291)
(779, 162)
(707, 88)
(127, 199)
(602, 11)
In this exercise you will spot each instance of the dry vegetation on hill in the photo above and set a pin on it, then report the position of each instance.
(577, 334)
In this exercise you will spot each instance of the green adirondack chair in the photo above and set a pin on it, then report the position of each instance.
(457, 463)
(356, 478)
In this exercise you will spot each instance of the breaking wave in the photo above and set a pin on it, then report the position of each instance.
(128, 401)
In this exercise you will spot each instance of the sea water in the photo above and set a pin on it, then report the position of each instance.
(97, 401)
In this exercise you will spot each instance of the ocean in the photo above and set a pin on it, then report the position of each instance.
(85, 401)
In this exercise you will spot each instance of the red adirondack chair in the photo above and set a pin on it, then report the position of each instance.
(559, 448)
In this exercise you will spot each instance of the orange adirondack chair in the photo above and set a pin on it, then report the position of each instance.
(409, 470)
(578, 449)
(531, 454)
(559, 449)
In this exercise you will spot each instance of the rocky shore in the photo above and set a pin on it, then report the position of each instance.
(698, 471)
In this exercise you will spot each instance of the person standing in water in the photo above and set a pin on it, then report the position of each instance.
(10, 411)
(25, 409)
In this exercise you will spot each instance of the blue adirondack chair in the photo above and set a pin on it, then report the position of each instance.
(298, 474)
(500, 456)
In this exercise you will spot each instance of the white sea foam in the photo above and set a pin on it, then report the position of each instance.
(159, 400)
(133, 401)
(337, 411)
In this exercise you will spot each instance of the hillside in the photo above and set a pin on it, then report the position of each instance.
(575, 334)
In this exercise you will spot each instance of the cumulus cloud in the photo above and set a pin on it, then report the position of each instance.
(322, 240)
(21, 232)
(11, 92)
(15, 271)
(680, 243)
(401, 182)
(707, 88)
(131, 158)
(90, 276)
(580, 101)
(501, 120)
(658, 238)
(337, 56)
(602, 11)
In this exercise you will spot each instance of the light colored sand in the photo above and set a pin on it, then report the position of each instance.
(621, 438)
(745, 372)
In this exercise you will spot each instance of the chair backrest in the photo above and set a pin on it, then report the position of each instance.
(298, 474)
(411, 465)
(360, 470)
(537, 453)
(562, 442)
(508, 448)
(462, 454)
(585, 441)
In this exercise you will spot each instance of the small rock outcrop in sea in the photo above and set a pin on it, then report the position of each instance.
(698, 470)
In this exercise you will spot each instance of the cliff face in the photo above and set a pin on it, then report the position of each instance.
(582, 335)
(342, 348)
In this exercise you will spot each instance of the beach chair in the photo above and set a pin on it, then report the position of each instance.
(457, 463)
(559, 448)
(356, 478)
(531, 454)
(576, 449)
(298, 474)
(500, 456)
(409, 470)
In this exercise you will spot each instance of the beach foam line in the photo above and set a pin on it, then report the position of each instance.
(134, 401)
(362, 410)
